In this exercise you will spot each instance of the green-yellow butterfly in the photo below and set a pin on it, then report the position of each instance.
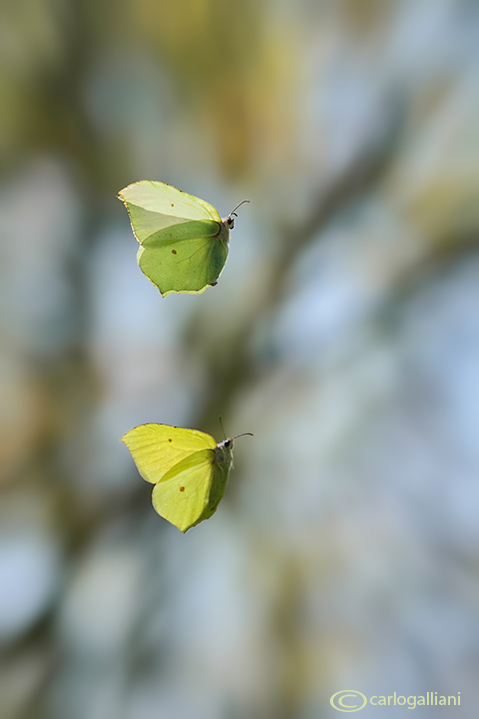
(183, 240)
(188, 468)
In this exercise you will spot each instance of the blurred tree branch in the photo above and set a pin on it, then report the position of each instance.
(230, 367)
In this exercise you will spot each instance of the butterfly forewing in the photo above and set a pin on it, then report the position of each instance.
(182, 232)
(163, 199)
(156, 448)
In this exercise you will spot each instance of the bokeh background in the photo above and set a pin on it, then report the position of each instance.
(344, 333)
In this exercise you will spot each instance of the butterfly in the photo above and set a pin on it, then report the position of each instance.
(188, 468)
(183, 240)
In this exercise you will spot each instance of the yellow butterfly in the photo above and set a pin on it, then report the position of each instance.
(183, 240)
(188, 468)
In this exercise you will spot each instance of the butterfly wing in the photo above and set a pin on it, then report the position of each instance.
(182, 495)
(184, 243)
(185, 265)
(156, 448)
(191, 491)
(162, 205)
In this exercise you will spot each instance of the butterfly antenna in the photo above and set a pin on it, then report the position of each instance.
(222, 427)
(244, 434)
(233, 212)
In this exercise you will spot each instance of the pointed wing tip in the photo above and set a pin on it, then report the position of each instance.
(124, 436)
(183, 531)
(144, 182)
(121, 193)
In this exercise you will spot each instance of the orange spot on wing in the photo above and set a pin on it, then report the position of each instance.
(182, 489)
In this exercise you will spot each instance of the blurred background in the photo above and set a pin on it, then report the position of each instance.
(344, 333)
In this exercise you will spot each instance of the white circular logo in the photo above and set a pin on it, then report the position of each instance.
(348, 700)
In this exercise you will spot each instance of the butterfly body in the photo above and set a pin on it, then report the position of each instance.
(183, 240)
(224, 452)
(188, 468)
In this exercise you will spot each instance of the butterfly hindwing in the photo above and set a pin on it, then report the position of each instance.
(192, 264)
(183, 493)
(191, 491)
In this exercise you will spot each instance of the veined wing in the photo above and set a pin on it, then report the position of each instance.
(183, 494)
(154, 206)
(187, 265)
(156, 448)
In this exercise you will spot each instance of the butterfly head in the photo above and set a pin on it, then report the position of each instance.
(227, 443)
(230, 220)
